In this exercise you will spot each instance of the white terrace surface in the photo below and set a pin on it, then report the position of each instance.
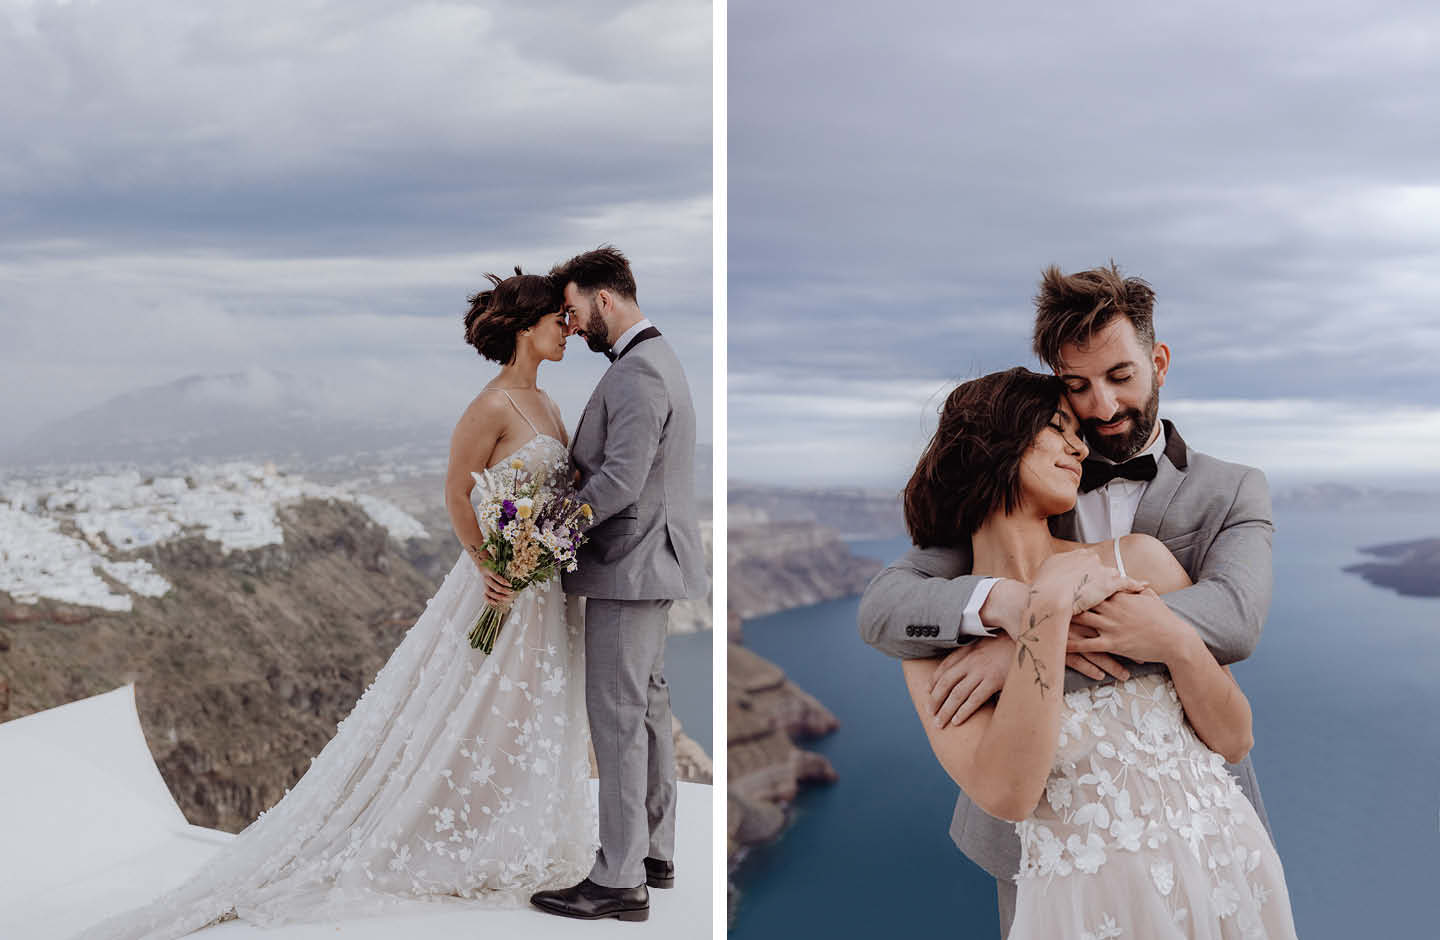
(88, 828)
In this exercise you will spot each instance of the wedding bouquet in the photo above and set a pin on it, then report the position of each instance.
(529, 539)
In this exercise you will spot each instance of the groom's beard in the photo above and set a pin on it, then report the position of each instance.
(595, 331)
(1121, 447)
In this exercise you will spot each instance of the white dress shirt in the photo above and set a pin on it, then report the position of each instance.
(628, 336)
(1106, 512)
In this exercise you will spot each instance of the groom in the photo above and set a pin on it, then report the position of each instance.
(634, 453)
(1095, 329)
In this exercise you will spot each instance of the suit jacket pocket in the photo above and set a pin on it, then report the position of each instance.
(616, 535)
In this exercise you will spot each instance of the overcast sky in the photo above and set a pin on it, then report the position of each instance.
(317, 187)
(900, 175)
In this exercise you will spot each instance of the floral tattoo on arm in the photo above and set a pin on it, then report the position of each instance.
(1024, 640)
(1075, 605)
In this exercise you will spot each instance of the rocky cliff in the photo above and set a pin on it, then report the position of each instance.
(778, 565)
(246, 663)
(765, 714)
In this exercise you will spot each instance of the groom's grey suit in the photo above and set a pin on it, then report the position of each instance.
(1212, 515)
(635, 450)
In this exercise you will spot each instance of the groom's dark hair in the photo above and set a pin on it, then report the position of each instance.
(971, 466)
(605, 267)
(1071, 308)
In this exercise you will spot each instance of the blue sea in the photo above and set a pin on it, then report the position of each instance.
(689, 671)
(1345, 689)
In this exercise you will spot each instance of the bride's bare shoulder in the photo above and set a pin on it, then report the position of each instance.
(482, 424)
(1106, 549)
(1147, 559)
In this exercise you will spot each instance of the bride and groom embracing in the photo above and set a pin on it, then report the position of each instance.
(462, 775)
(1080, 581)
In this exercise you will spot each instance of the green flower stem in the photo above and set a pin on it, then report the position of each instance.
(487, 628)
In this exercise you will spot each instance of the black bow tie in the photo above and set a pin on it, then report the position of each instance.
(1096, 473)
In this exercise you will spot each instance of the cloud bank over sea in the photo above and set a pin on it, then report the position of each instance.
(898, 183)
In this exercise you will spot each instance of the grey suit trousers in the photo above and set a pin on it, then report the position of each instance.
(629, 708)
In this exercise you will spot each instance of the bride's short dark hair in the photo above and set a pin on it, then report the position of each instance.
(971, 467)
(511, 305)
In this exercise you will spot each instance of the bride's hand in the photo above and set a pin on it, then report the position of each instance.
(498, 591)
(1084, 579)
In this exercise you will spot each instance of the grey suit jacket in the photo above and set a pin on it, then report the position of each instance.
(635, 450)
(1212, 515)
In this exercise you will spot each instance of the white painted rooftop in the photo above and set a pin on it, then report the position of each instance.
(233, 504)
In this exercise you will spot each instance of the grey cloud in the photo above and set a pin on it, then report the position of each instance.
(191, 188)
(898, 179)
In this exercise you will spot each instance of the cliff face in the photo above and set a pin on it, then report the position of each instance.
(765, 713)
(244, 667)
(778, 565)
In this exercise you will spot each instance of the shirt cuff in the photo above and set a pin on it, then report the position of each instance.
(970, 625)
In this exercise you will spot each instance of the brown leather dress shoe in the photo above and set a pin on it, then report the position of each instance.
(589, 901)
(659, 874)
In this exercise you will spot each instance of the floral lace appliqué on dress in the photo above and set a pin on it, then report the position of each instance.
(1142, 832)
(456, 776)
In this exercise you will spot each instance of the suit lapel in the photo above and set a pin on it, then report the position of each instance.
(649, 332)
(1169, 473)
(1063, 527)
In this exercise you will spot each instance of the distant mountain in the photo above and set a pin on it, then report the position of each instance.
(1409, 568)
(256, 414)
(854, 512)
(1352, 496)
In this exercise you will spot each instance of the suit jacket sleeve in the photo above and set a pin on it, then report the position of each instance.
(912, 609)
(1228, 603)
(637, 406)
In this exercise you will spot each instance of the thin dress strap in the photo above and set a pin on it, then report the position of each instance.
(1119, 562)
(517, 408)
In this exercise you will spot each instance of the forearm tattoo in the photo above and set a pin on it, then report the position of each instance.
(1024, 640)
(1079, 591)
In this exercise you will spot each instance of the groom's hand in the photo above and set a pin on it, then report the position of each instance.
(1094, 664)
(1138, 626)
(968, 677)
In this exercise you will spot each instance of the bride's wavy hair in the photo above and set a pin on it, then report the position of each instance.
(512, 304)
(971, 467)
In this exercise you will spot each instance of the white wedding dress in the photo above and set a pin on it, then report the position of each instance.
(456, 776)
(1142, 832)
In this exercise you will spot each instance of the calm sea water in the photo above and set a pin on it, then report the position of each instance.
(1345, 689)
(689, 672)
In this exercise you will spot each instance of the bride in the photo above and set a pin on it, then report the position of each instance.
(1129, 823)
(457, 775)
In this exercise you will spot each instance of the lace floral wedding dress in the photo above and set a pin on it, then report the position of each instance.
(456, 776)
(1142, 833)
